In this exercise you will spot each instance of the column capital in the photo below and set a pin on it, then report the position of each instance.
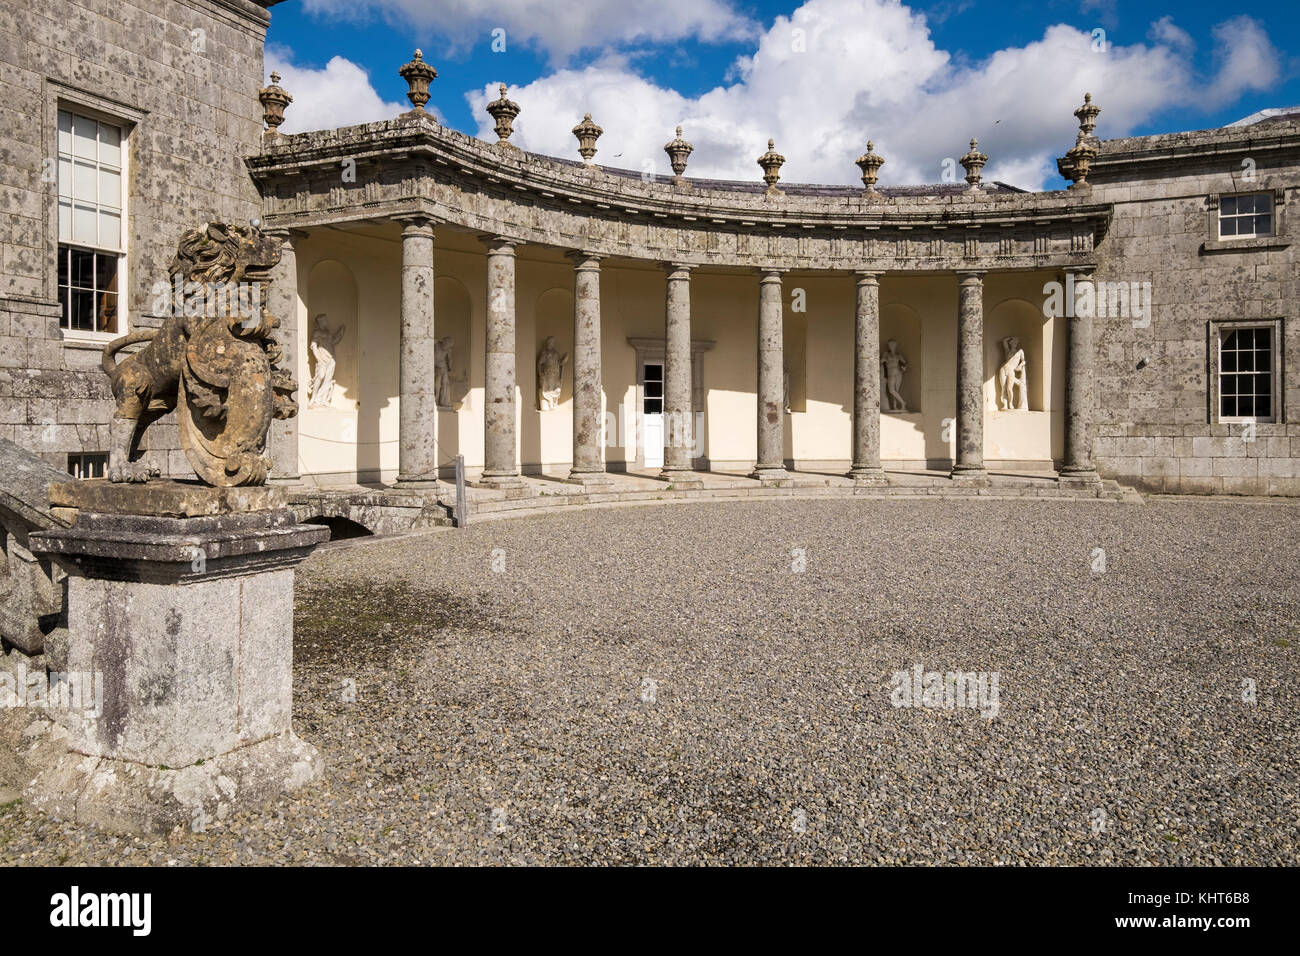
(1082, 270)
(771, 275)
(285, 234)
(499, 244)
(969, 276)
(416, 224)
(584, 260)
(867, 276)
(670, 267)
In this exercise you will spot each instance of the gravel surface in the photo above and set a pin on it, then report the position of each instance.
(659, 685)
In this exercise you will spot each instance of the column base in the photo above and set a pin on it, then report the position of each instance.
(1082, 478)
(683, 479)
(128, 797)
(500, 482)
(971, 477)
(589, 479)
(416, 482)
(868, 476)
(772, 477)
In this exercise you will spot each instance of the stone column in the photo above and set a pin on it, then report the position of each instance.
(679, 412)
(282, 302)
(969, 462)
(866, 383)
(417, 454)
(500, 465)
(770, 467)
(1078, 467)
(588, 396)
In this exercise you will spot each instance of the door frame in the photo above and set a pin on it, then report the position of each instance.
(653, 350)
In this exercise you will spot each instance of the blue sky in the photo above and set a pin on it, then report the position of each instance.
(918, 78)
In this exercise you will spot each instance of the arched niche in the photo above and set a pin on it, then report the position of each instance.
(554, 318)
(902, 324)
(331, 331)
(1021, 319)
(452, 310)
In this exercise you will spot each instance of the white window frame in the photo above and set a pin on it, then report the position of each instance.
(68, 99)
(1219, 330)
(1272, 216)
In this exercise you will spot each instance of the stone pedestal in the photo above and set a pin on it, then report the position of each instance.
(180, 613)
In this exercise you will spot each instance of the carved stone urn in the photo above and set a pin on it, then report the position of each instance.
(587, 133)
(771, 161)
(274, 99)
(973, 162)
(678, 149)
(504, 112)
(870, 165)
(418, 75)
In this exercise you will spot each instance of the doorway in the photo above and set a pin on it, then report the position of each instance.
(652, 413)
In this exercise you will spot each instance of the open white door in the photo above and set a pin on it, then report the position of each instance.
(652, 414)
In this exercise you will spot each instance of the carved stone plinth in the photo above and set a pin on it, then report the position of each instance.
(184, 621)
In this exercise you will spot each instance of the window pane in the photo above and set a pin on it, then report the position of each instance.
(1228, 206)
(654, 389)
(110, 145)
(83, 182)
(65, 177)
(82, 310)
(1227, 227)
(84, 138)
(65, 131)
(83, 265)
(1264, 406)
(110, 230)
(1263, 203)
(653, 406)
(1245, 361)
(106, 320)
(1228, 361)
(1263, 225)
(110, 188)
(84, 226)
(63, 266)
(63, 306)
(1228, 385)
(1228, 406)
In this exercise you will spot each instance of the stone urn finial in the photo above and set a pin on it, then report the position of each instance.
(870, 165)
(1087, 115)
(274, 100)
(973, 162)
(587, 133)
(771, 161)
(1077, 163)
(504, 112)
(678, 149)
(418, 75)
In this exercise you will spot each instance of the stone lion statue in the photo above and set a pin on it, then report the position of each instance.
(213, 360)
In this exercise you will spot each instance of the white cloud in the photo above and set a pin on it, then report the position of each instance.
(868, 69)
(560, 28)
(339, 95)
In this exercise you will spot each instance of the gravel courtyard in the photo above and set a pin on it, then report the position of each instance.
(664, 685)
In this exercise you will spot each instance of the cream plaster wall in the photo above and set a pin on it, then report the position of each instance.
(358, 434)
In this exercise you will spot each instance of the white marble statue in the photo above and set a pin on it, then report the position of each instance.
(894, 365)
(1012, 387)
(324, 341)
(550, 375)
(442, 370)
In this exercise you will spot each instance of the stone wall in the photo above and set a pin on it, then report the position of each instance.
(182, 76)
(1154, 423)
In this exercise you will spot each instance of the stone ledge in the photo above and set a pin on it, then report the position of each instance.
(177, 499)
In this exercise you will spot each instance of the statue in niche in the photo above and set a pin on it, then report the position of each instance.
(324, 341)
(550, 375)
(442, 370)
(1012, 389)
(785, 389)
(894, 365)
